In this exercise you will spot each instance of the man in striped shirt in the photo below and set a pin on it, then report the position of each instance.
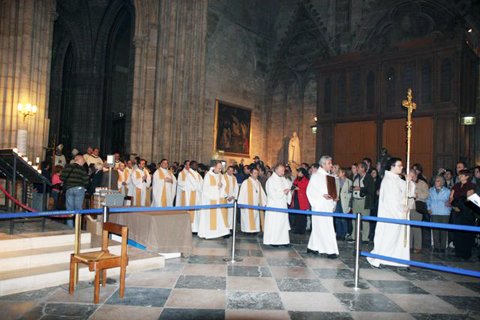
(75, 181)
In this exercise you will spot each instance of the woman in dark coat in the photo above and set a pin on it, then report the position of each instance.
(463, 214)
(300, 201)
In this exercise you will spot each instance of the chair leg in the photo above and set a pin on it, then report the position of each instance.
(96, 293)
(72, 280)
(104, 277)
(123, 271)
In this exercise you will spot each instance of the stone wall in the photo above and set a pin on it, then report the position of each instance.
(26, 29)
(236, 67)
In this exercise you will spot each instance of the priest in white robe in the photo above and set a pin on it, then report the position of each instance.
(389, 237)
(322, 239)
(123, 175)
(213, 222)
(189, 191)
(231, 189)
(251, 193)
(278, 196)
(164, 186)
(139, 185)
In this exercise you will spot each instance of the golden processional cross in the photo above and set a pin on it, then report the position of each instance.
(410, 105)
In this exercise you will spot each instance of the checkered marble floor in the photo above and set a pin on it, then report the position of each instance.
(270, 283)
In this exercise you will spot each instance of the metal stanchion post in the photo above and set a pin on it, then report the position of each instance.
(77, 244)
(355, 284)
(234, 233)
(106, 211)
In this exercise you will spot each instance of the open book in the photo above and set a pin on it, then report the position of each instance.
(475, 199)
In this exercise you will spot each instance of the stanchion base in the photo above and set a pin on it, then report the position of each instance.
(232, 261)
(109, 281)
(351, 284)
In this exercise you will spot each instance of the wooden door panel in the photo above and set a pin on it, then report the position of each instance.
(394, 139)
(354, 141)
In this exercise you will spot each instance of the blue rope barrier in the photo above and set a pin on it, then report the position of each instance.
(435, 225)
(425, 265)
(184, 208)
(16, 215)
(313, 213)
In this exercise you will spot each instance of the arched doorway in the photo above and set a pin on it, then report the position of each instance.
(118, 85)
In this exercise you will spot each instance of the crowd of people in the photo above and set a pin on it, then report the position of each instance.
(359, 189)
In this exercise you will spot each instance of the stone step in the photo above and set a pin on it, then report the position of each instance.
(28, 259)
(16, 281)
(9, 243)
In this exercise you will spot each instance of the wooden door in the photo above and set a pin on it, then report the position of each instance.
(394, 139)
(354, 141)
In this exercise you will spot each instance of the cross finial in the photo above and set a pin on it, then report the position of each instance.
(409, 104)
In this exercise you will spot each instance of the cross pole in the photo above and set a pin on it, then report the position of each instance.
(410, 106)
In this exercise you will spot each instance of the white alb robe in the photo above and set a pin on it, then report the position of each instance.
(251, 193)
(123, 177)
(231, 189)
(163, 192)
(322, 238)
(276, 223)
(213, 223)
(189, 191)
(388, 240)
(138, 189)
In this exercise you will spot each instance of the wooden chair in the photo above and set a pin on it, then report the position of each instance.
(100, 261)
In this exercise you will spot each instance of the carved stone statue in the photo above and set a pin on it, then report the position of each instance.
(294, 149)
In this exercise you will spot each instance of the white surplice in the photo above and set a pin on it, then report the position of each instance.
(322, 238)
(389, 237)
(276, 223)
(231, 189)
(213, 222)
(138, 188)
(163, 192)
(251, 193)
(189, 192)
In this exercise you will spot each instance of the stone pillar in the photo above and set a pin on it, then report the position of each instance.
(26, 30)
(169, 79)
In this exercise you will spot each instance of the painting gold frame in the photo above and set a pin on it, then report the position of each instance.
(236, 120)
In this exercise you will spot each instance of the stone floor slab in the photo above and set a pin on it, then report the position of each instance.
(248, 271)
(372, 302)
(201, 282)
(421, 303)
(254, 300)
(300, 285)
(192, 314)
(144, 297)
(311, 301)
(108, 312)
(264, 284)
(196, 299)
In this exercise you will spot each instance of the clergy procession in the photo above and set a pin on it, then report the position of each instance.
(322, 187)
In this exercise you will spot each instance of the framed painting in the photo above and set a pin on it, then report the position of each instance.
(232, 129)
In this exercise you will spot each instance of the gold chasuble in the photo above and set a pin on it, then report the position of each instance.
(138, 188)
(163, 191)
(231, 190)
(189, 187)
(252, 193)
(213, 222)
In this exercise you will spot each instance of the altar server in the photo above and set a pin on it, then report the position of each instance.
(164, 186)
(189, 187)
(139, 184)
(278, 196)
(213, 222)
(231, 189)
(322, 238)
(389, 237)
(251, 193)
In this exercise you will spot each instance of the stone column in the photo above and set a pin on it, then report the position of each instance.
(169, 80)
(26, 30)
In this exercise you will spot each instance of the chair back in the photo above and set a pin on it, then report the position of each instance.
(110, 227)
